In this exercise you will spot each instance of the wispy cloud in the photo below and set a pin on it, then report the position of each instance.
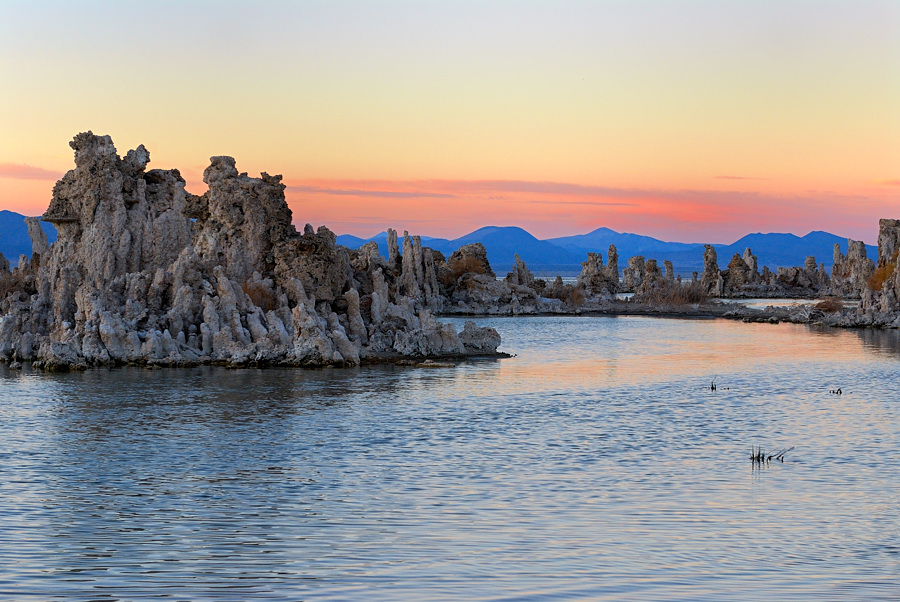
(580, 203)
(518, 191)
(410, 189)
(737, 178)
(384, 194)
(889, 182)
(20, 171)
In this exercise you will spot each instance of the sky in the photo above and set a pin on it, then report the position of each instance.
(686, 121)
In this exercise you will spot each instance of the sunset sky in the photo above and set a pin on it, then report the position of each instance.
(687, 121)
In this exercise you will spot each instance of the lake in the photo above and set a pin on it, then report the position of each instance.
(595, 464)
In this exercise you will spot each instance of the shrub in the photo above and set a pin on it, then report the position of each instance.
(673, 294)
(459, 266)
(881, 275)
(830, 305)
(575, 297)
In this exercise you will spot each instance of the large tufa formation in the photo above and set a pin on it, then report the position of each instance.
(471, 287)
(808, 280)
(849, 274)
(633, 275)
(711, 281)
(883, 285)
(520, 274)
(143, 271)
(598, 280)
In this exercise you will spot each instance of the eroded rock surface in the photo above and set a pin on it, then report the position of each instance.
(849, 275)
(143, 271)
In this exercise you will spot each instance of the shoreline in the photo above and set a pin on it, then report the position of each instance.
(704, 311)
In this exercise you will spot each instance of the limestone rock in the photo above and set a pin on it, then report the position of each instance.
(143, 271)
(612, 264)
(751, 262)
(710, 278)
(595, 279)
(849, 274)
(882, 295)
(39, 244)
(633, 275)
(670, 270)
(520, 275)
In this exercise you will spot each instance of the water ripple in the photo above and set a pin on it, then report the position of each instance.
(596, 464)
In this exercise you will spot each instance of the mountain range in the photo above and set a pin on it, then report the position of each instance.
(564, 255)
(553, 256)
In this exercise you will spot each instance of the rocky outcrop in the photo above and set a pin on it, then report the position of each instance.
(710, 280)
(144, 272)
(809, 280)
(633, 275)
(849, 275)
(612, 264)
(595, 279)
(39, 244)
(470, 286)
(882, 295)
(750, 259)
(520, 275)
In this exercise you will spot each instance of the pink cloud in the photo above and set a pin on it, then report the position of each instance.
(20, 171)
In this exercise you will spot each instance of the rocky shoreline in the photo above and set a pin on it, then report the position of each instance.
(145, 273)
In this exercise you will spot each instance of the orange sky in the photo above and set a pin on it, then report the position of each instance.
(690, 121)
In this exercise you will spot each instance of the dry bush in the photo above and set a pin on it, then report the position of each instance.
(575, 297)
(458, 266)
(830, 305)
(880, 275)
(261, 295)
(673, 294)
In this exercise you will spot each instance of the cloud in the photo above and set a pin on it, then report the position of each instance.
(20, 171)
(737, 178)
(409, 189)
(582, 203)
(384, 194)
(559, 188)
(894, 182)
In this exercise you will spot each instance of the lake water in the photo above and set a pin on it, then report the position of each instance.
(596, 464)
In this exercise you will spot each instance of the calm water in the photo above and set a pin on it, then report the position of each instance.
(593, 465)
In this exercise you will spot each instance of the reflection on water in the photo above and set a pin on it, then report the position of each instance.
(594, 464)
(886, 341)
(763, 303)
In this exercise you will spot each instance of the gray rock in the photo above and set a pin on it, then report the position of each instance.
(145, 272)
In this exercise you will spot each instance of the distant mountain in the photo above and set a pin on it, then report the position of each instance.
(786, 250)
(628, 245)
(14, 239)
(502, 244)
(564, 254)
